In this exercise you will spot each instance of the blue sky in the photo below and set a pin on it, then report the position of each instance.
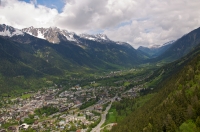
(58, 4)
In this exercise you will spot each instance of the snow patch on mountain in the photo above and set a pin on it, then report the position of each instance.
(158, 46)
(37, 32)
(51, 34)
(56, 35)
(9, 31)
(69, 35)
(97, 37)
(40, 35)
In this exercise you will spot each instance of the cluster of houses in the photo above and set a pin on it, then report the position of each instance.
(65, 101)
(133, 92)
(20, 109)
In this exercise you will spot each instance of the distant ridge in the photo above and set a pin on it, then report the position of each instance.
(155, 50)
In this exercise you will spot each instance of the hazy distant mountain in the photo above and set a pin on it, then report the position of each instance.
(182, 46)
(155, 50)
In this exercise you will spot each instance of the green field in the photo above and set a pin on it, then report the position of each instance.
(116, 114)
(113, 117)
(127, 83)
(95, 84)
(26, 96)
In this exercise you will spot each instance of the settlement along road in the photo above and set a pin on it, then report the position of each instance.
(103, 119)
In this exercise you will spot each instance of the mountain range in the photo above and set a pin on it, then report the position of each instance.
(68, 51)
(39, 53)
(56, 35)
(65, 51)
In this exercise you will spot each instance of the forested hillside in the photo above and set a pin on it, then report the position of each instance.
(176, 106)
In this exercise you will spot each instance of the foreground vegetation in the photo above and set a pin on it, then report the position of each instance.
(120, 110)
(175, 107)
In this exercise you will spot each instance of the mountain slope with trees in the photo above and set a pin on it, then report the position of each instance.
(69, 51)
(176, 105)
(181, 47)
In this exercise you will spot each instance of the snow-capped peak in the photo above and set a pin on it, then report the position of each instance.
(52, 34)
(87, 36)
(56, 35)
(9, 31)
(97, 37)
(102, 36)
(69, 35)
(158, 46)
(37, 32)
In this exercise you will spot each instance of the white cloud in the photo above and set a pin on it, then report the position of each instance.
(165, 21)
(95, 14)
(21, 14)
(139, 22)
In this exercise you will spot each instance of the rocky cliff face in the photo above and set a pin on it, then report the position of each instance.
(56, 35)
(52, 34)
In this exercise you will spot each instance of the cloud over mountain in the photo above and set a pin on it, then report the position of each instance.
(139, 22)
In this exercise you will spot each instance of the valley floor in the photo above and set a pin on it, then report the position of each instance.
(59, 109)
